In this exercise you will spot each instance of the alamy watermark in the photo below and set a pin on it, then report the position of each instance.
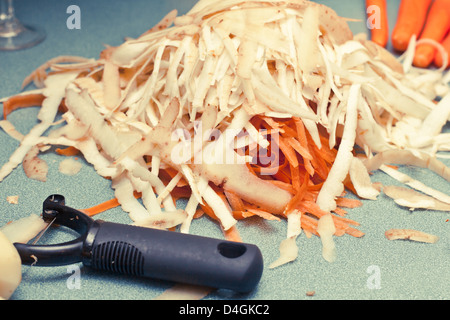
(74, 20)
(374, 279)
(373, 17)
(74, 280)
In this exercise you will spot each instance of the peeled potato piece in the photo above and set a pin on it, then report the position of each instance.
(10, 267)
(24, 229)
(326, 230)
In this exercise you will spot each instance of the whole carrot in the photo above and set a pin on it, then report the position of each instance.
(436, 27)
(410, 21)
(438, 59)
(377, 21)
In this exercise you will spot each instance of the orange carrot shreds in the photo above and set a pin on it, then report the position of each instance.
(340, 232)
(104, 206)
(167, 174)
(272, 123)
(301, 132)
(349, 185)
(348, 203)
(302, 138)
(300, 194)
(63, 107)
(410, 21)
(295, 177)
(22, 101)
(283, 175)
(181, 192)
(239, 215)
(232, 234)
(339, 211)
(320, 165)
(288, 152)
(252, 168)
(282, 185)
(69, 151)
(328, 154)
(439, 59)
(301, 150)
(288, 131)
(309, 224)
(354, 232)
(198, 213)
(323, 157)
(436, 27)
(170, 171)
(209, 211)
(312, 208)
(260, 213)
(377, 16)
(234, 200)
(347, 221)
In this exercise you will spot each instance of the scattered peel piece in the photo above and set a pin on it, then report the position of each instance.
(412, 199)
(310, 293)
(9, 128)
(410, 234)
(326, 230)
(12, 199)
(34, 167)
(408, 157)
(10, 267)
(413, 183)
(361, 180)
(69, 166)
(163, 220)
(288, 252)
(184, 292)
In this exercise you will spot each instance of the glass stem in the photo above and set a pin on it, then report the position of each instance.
(9, 25)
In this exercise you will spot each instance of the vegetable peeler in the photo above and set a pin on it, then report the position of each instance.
(145, 252)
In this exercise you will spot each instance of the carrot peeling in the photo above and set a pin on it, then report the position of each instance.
(104, 206)
(101, 207)
(69, 151)
(22, 101)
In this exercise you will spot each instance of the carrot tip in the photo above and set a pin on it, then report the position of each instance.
(422, 61)
(424, 56)
(399, 44)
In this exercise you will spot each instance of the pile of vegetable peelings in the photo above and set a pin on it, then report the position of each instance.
(269, 109)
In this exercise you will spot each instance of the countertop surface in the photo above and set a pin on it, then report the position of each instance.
(370, 267)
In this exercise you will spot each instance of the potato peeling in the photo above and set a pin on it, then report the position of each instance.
(410, 234)
(414, 200)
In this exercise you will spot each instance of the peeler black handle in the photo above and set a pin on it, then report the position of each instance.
(146, 252)
(172, 256)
